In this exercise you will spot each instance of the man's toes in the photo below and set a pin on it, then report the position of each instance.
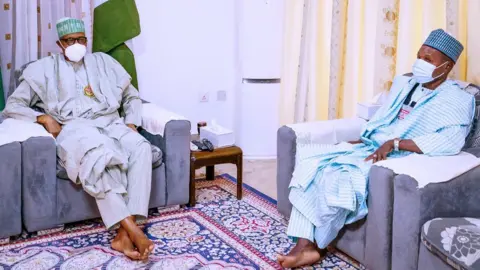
(280, 258)
(288, 262)
(144, 256)
(133, 254)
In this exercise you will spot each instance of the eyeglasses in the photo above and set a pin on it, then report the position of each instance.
(71, 41)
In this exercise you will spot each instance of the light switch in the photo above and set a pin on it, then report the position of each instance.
(221, 95)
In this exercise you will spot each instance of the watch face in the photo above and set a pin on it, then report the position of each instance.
(396, 144)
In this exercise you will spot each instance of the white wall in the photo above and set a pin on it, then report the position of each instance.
(188, 47)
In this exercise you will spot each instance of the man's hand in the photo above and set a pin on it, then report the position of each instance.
(50, 124)
(132, 126)
(382, 152)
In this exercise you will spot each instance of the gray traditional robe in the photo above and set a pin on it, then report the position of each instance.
(89, 144)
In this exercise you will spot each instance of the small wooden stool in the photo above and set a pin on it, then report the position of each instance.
(198, 160)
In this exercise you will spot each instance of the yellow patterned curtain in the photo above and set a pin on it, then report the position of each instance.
(360, 45)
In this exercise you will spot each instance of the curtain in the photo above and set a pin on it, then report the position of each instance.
(356, 47)
(28, 31)
(293, 25)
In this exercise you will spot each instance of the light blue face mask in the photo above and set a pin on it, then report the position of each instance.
(423, 71)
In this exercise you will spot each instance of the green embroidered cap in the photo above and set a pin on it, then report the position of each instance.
(67, 26)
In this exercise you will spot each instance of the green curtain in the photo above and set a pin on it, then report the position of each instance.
(2, 94)
(115, 22)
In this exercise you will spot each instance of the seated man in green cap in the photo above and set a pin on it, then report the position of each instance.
(77, 97)
(425, 114)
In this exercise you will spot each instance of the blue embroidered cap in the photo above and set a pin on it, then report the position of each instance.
(448, 45)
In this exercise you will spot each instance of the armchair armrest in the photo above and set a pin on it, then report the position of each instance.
(413, 207)
(39, 183)
(12, 130)
(155, 118)
(325, 132)
(175, 130)
(177, 161)
(329, 132)
(10, 192)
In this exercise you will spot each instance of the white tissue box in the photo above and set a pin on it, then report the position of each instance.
(367, 110)
(219, 136)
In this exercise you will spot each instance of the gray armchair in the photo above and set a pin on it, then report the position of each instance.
(10, 195)
(50, 199)
(389, 237)
(369, 240)
(413, 207)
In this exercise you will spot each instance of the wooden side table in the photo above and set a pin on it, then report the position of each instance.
(198, 160)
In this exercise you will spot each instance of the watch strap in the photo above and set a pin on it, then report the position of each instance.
(396, 144)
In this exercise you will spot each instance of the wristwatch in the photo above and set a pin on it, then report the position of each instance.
(396, 144)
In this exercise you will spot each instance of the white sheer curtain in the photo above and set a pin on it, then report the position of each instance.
(358, 46)
(293, 25)
(28, 31)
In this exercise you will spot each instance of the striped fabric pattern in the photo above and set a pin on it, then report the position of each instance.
(300, 226)
(329, 184)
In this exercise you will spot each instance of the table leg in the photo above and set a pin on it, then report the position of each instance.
(210, 171)
(192, 198)
(240, 177)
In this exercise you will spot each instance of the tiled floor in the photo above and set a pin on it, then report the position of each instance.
(259, 174)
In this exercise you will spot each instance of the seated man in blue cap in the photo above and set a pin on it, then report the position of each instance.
(77, 97)
(425, 114)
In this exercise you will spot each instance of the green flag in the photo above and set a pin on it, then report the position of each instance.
(2, 94)
(115, 22)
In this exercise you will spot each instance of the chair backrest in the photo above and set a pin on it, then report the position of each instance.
(17, 75)
(473, 139)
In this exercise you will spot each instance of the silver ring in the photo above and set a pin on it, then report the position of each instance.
(374, 155)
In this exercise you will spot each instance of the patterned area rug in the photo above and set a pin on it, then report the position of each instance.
(219, 233)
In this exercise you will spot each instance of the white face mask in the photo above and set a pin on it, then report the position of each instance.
(423, 71)
(75, 52)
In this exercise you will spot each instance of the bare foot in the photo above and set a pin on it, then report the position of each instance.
(122, 243)
(305, 253)
(139, 239)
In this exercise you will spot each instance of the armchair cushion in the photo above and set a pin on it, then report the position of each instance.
(455, 240)
(155, 118)
(426, 169)
(329, 132)
(12, 130)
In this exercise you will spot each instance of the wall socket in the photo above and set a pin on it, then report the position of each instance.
(204, 96)
(221, 95)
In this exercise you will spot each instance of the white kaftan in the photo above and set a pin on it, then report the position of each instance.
(97, 149)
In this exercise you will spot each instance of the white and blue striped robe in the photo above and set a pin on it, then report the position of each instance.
(329, 184)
